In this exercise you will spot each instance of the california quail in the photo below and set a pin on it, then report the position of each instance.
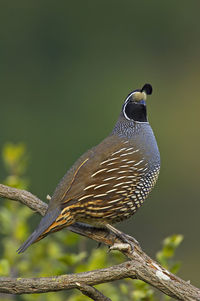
(109, 182)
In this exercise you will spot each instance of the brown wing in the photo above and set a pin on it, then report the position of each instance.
(112, 191)
(105, 186)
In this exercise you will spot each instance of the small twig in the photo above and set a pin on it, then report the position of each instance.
(141, 265)
(92, 292)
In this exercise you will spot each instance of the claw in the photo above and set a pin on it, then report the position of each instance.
(132, 239)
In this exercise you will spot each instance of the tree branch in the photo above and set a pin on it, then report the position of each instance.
(65, 282)
(92, 292)
(24, 197)
(140, 266)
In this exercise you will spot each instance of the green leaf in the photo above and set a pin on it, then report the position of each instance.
(173, 241)
(4, 267)
(166, 255)
(5, 218)
(15, 158)
(71, 259)
(175, 267)
(124, 288)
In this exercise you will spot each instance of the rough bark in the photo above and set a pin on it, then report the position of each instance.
(140, 265)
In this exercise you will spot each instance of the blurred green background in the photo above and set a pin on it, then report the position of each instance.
(65, 69)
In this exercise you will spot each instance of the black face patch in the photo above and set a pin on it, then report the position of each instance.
(136, 111)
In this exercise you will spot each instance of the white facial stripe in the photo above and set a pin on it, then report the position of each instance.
(126, 103)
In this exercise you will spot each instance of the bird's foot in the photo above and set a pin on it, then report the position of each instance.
(130, 238)
(127, 240)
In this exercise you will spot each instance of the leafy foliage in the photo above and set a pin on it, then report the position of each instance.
(166, 256)
(63, 253)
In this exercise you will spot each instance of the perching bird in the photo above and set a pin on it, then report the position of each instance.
(109, 182)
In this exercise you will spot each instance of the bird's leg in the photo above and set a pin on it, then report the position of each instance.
(127, 239)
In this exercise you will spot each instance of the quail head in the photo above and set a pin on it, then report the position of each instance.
(109, 182)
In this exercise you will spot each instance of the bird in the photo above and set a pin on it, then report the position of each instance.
(110, 181)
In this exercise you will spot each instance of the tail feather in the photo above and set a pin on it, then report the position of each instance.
(44, 224)
(28, 242)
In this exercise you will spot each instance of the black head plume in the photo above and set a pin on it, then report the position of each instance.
(147, 88)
